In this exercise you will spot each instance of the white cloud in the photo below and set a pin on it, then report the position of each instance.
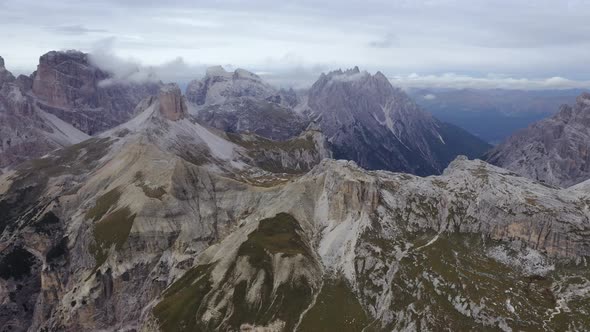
(130, 70)
(526, 39)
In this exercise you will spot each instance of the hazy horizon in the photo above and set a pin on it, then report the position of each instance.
(451, 43)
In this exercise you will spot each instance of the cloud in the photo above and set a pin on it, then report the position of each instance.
(74, 29)
(492, 81)
(130, 70)
(527, 39)
(429, 96)
(389, 40)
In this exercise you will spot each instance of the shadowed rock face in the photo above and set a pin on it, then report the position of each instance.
(369, 121)
(24, 133)
(62, 103)
(555, 150)
(69, 86)
(5, 75)
(172, 104)
(65, 78)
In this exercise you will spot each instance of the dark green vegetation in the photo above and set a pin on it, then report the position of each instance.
(181, 301)
(336, 309)
(23, 200)
(280, 234)
(103, 204)
(268, 154)
(186, 301)
(111, 230)
(16, 264)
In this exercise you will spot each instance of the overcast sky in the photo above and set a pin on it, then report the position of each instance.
(456, 43)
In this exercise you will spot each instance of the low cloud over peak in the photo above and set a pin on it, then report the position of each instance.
(130, 70)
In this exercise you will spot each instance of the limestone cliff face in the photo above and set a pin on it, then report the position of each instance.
(555, 150)
(68, 85)
(172, 103)
(62, 103)
(26, 131)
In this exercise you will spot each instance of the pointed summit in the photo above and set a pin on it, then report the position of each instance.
(378, 126)
(172, 103)
(5, 75)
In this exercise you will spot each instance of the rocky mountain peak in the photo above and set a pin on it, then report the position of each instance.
(584, 100)
(5, 75)
(217, 71)
(64, 77)
(59, 57)
(555, 150)
(358, 109)
(172, 103)
(348, 75)
(219, 85)
(244, 74)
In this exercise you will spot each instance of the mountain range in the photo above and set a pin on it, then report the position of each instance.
(492, 114)
(224, 210)
(555, 150)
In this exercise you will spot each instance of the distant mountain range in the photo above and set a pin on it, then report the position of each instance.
(224, 210)
(492, 114)
(363, 116)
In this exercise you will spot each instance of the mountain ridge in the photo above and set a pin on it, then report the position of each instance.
(553, 150)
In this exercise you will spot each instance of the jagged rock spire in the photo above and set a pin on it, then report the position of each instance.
(172, 103)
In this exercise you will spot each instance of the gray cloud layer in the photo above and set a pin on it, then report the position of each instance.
(482, 42)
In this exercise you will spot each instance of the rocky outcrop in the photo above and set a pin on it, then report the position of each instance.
(369, 121)
(172, 104)
(69, 86)
(26, 131)
(5, 75)
(555, 151)
(218, 86)
(241, 102)
(248, 115)
(62, 103)
(293, 156)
